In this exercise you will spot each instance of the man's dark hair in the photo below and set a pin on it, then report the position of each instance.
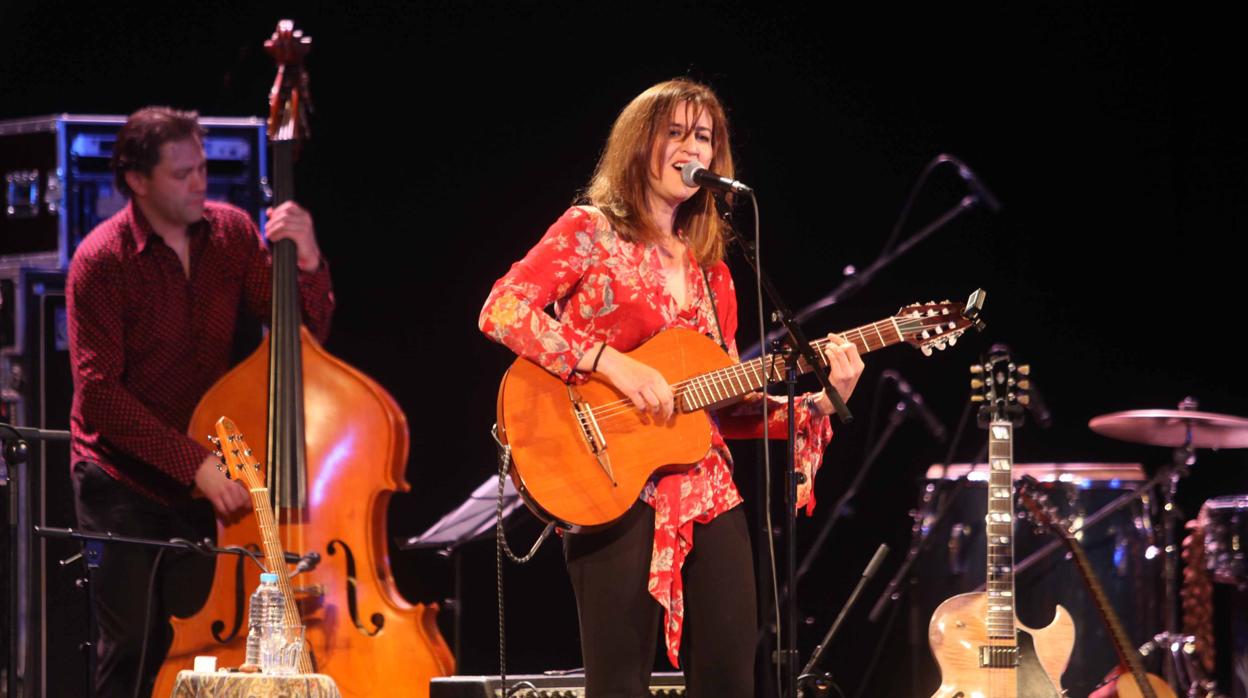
(138, 143)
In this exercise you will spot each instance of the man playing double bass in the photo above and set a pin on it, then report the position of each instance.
(154, 294)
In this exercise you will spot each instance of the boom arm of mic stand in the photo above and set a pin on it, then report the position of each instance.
(894, 421)
(912, 555)
(801, 345)
(175, 543)
(864, 277)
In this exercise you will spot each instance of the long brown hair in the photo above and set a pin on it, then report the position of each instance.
(622, 178)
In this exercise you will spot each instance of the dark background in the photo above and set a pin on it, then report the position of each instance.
(448, 137)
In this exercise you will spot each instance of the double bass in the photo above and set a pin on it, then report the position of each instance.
(337, 446)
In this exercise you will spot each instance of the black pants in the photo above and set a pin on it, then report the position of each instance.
(120, 587)
(620, 621)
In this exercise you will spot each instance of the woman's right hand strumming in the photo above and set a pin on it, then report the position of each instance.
(643, 385)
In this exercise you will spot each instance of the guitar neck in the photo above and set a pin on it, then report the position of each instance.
(1000, 532)
(1122, 642)
(275, 561)
(723, 385)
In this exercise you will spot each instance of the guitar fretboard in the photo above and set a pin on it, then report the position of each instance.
(1000, 531)
(725, 384)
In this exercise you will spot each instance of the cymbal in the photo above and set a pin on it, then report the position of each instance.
(1170, 428)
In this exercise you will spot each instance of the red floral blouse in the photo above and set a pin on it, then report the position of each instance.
(606, 289)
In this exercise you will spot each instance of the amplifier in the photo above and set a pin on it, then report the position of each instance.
(56, 185)
(540, 686)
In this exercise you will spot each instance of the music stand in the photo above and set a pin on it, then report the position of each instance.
(471, 521)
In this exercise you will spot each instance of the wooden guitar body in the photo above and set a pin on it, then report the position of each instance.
(956, 633)
(1125, 686)
(556, 471)
(582, 453)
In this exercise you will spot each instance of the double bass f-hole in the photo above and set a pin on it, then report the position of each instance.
(353, 601)
(240, 599)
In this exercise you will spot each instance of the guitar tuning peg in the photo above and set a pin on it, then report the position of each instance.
(939, 329)
(214, 440)
(1024, 399)
(944, 311)
(218, 454)
(1024, 370)
(977, 370)
(953, 339)
(248, 453)
(977, 398)
(941, 345)
(976, 384)
(925, 334)
(927, 351)
(1024, 384)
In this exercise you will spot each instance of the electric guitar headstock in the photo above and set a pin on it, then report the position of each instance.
(1002, 387)
(935, 325)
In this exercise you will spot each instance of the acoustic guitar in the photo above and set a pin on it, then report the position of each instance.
(1131, 680)
(582, 454)
(239, 463)
(981, 647)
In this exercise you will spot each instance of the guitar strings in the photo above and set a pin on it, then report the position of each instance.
(709, 384)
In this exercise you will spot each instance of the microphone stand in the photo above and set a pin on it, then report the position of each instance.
(821, 682)
(786, 655)
(21, 487)
(895, 420)
(860, 279)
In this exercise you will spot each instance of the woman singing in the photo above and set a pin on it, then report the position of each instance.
(644, 254)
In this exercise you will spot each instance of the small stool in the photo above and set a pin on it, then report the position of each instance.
(221, 684)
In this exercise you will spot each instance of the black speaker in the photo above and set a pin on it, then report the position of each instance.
(662, 684)
(46, 622)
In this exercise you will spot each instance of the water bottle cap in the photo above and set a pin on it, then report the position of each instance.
(268, 578)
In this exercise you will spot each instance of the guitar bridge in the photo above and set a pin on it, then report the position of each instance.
(592, 433)
(998, 657)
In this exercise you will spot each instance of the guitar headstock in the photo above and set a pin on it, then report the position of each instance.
(1002, 386)
(934, 326)
(290, 100)
(237, 459)
(1040, 511)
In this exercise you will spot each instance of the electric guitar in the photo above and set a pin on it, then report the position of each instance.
(981, 647)
(1132, 681)
(582, 454)
(239, 462)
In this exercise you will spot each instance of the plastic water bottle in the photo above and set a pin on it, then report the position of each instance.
(267, 611)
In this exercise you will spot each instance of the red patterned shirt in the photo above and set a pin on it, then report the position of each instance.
(606, 289)
(146, 342)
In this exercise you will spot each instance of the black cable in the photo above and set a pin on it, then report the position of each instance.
(501, 547)
(147, 620)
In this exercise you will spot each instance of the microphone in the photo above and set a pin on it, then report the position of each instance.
(973, 182)
(914, 400)
(695, 174)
